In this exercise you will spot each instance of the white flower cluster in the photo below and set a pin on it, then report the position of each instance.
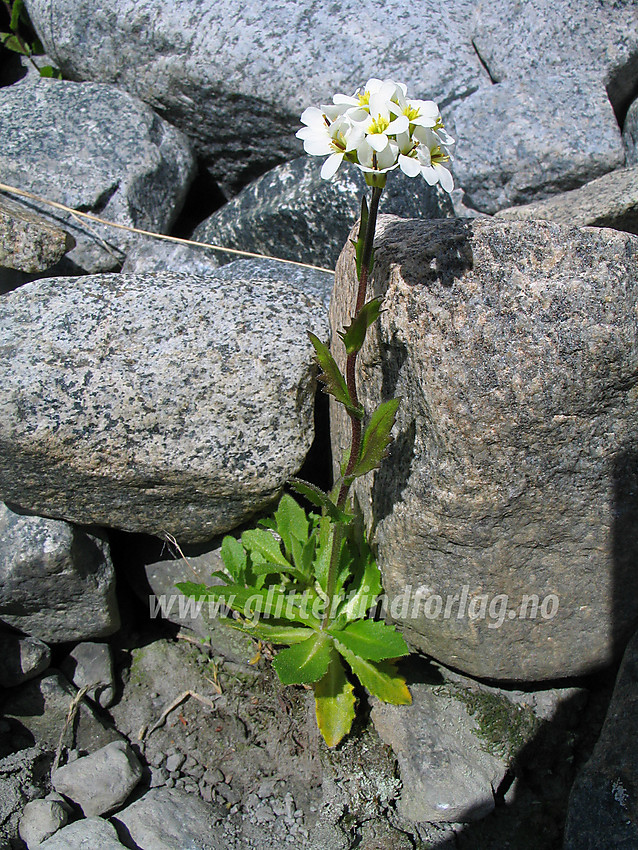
(379, 129)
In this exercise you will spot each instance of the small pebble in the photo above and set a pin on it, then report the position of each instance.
(175, 761)
(213, 776)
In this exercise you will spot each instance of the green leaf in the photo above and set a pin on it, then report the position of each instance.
(319, 499)
(50, 72)
(321, 565)
(371, 639)
(234, 558)
(334, 702)
(335, 383)
(15, 15)
(279, 634)
(362, 592)
(376, 437)
(305, 662)
(10, 41)
(380, 678)
(354, 335)
(292, 522)
(263, 543)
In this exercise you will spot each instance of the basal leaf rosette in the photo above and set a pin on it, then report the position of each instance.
(380, 129)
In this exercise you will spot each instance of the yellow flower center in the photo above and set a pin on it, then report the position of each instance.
(437, 155)
(378, 125)
(364, 98)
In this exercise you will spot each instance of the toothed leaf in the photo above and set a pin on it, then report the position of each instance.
(354, 335)
(380, 678)
(304, 662)
(376, 438)
(335, 383)
(334, 702)
(371, 639)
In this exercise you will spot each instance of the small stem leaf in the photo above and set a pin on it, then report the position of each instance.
(354, 335)
(279, 634)
(234, 558)
(319, 499)
(305, 662)
(335, 383)
(195, 591)
(359, 245)
(376, 437)
(262, 542)
(11, 42)
(334, 702)
(380, 678)
(292, 522)
(15, 15)
(371, 639)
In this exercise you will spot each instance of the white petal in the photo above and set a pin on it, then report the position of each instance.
(317, 146)
(409, 165)
(330, 166)
(387, 158)
(313, 117)
(377, 141)
(379, 106)
(373, 85)
(429, 174)
(345, 99)
(399, 125)
(388, 89)
(445, 178)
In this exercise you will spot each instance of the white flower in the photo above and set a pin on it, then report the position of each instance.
(379, 129)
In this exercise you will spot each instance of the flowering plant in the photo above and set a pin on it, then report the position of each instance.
(309, 580)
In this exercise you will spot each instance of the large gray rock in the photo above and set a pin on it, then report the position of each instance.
(101, 781)
(28, 242)
(57, 581)
(507, 508)
(609, 201)
(603, 804)
(161, 403)
(168, 819)
(84, 834)
(40, 820)
(447, 772)
(525, 139)
(630, 134)
(292, 213)
(237, 77)
(97, 149)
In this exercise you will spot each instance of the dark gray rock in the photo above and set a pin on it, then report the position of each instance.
(40, 820)
(24, 776)
(94, 148)
(90, 665)
(155, 255)
(84, 834)
(28, 242)
(168, 819)
(291, 213)
(236, 78)
(508, 500)
(163, 403)
(101, 781)
(21, 658)
(630, 134)
(525, 139)
(315, 283)
(57, 581)
(603, 804)
(609, 201)
(37, 711)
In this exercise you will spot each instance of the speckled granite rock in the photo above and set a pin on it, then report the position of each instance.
(514, 472)
(157, 403)
(603, 804)
(84, 834)
(609, 201)
(290, 212)
(630, 134)
(236, 77)
(28, 242)
(97, 149)
(57, 581)
(508, 152)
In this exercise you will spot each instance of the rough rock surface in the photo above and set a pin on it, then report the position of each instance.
(24, 776)
(38, 709)
(509, 153)
(21, 658)
(290, 212)
(609, 201)
(40, 820)
(90, 665)
(97, 149)
(447, 774)
(603, 804)
(630, 134)
(156, 403)
(28, 242)
(57, 581)
(84, 834)
(507, 508)
(101, 781)
(167, 819)
(236, 77)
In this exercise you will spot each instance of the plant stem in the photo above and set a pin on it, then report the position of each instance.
(351, 361)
